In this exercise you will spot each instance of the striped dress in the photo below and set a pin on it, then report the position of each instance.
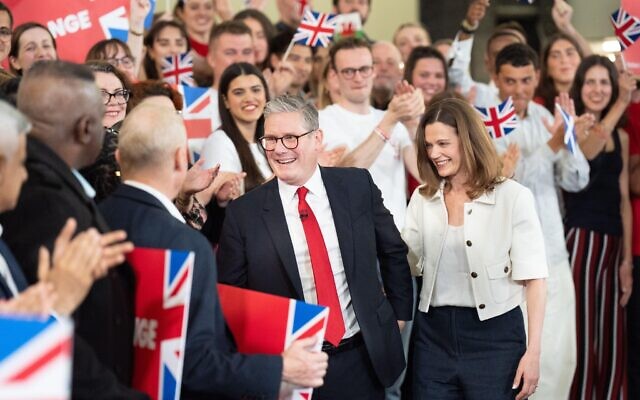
(594, 240)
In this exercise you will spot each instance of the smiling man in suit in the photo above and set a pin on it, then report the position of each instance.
(318, 234)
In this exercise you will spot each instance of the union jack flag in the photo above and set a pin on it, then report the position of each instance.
(569, 130)
(199, 114)
(262, 323)
(163, 293)
(35, 358)
(315, 29)
(500, 120)
(626, 26)
(178, 70)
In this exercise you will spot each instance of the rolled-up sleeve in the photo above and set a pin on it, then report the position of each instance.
(528, 258)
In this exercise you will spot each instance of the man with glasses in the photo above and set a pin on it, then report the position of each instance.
(374, 138)
(6, 24)
(317, 234)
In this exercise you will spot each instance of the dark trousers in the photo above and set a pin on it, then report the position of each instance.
(633, 333)
(350, 375)
(457, 356)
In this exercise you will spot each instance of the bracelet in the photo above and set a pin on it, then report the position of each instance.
(380, 133)
(467, 28)
(134, 33)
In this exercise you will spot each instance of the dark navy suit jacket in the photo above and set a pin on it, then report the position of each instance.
(14, 270)
(212, 369)
(256, 253)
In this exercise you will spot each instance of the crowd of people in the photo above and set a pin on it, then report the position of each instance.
(359, 176)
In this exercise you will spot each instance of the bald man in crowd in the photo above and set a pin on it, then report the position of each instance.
(152, 155)
(64, 105)
(387, 66)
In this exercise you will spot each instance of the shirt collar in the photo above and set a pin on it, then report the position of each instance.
(166, 202)
(314, 184)
(86, 186)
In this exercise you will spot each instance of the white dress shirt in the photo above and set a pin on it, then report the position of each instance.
(6, 274)
(166, 202)
(343, 127)
(543, 171)
(319, 204)
(86, 186)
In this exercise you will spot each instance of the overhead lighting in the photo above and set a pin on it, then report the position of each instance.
(610, 46)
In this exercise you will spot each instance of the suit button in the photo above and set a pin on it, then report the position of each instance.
(469, 212)
(469, 243)
(474, 275)
(481, 306)
(506, 269)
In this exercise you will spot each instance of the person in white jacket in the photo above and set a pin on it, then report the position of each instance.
(476, 240)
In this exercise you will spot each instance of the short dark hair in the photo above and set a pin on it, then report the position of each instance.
(417, 54)
(6, 9)
(17, 34)
(517, 55)
(149, 88)
(346, 44)
(232, 27)
(278, 45)
(252, 13)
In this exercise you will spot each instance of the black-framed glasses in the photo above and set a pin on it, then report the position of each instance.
(121, 96)
(5, 32)
(269, 143)
(349, 73)
(126, 61)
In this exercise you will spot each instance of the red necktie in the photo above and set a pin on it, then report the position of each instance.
(322, 273)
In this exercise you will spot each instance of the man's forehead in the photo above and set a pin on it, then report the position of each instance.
(227, 40)
(353, 56)
(511, 71)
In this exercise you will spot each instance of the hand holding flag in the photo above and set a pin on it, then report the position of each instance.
(569, 130)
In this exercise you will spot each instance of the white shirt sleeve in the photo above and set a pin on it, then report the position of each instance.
(401, 136)
(528, 256)
(218, 148)
(459, 74)
(412, 233)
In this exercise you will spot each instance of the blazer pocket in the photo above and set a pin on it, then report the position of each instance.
(385, 313)
(499, 280)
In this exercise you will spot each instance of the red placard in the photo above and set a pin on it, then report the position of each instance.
(76, 24)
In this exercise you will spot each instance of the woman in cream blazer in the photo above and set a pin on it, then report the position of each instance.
(475, 239)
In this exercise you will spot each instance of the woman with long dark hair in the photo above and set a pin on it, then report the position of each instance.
(243, 94)
(598, 235)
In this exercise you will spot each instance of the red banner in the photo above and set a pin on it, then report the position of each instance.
(76, 24)
(163, 292)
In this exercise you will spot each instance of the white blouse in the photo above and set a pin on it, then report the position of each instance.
(218, 148)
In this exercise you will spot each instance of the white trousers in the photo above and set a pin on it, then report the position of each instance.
(558, 347)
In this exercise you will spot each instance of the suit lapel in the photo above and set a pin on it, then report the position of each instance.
(276, 223)
(338, 196)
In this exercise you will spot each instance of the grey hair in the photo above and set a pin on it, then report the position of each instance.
(294, 104)
(12, 123)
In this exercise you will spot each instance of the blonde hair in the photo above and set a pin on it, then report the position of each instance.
(479, 158)
(411, 25)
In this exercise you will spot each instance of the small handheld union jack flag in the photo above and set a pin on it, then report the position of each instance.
(178, 70)
(315, 29)
(626, 26)
(499, 120)
(569, 130)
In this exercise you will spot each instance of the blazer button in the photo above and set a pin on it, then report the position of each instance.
(474, 275)
(506, 269)
(469, 243)
(481, 306)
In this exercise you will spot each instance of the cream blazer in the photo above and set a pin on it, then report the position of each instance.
(504, 245)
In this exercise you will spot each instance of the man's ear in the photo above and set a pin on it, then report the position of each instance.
(210, 60)
(3, 168)
(82, 130)
(180, 160)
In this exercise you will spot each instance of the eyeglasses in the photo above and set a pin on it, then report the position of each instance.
(349, 73)
(126, 62)
(5, 33)
(121, 96)
(269, 143)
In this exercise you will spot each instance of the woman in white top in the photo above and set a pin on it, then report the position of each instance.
(242, 96)
(475, 239)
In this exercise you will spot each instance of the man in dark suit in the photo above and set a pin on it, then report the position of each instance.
(66, 109)
(152, 155)
(317, 234)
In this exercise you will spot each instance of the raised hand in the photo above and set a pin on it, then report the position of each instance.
(138, 10)
(562, 13)
(510, 160)
(198, 178)
(476, 12)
